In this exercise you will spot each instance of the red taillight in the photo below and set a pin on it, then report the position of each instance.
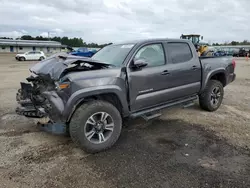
(234, 63)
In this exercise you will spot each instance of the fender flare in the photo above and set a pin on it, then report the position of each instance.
(211, 74)
(77, 97)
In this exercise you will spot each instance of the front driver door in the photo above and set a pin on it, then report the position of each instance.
(147, 84)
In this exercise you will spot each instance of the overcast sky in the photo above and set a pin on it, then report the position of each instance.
(116, 20)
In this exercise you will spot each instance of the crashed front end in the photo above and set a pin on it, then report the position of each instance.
(40, 100)
(37, 102)
(47, 91)
(26, 105)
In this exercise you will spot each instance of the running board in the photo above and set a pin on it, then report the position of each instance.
(148, 117)
(188, 104)
(185, 103)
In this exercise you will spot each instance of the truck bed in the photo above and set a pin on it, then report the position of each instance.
(226, 60)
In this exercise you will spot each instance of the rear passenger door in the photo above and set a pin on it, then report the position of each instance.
(184, 70)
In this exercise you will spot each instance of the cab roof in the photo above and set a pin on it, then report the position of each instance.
(142, 41)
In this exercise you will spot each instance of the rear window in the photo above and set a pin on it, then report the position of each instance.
(179, 52)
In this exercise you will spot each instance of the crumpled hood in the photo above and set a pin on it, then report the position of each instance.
(57, 63)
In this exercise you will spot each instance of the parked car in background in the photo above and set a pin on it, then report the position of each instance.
(31, 55)
(229, 53)
(220, 53)
(83, 52)
(236, 54)
(243, 52)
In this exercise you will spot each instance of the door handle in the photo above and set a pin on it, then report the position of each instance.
(165, 72)
(194, 67)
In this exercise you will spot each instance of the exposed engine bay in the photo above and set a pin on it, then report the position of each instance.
(47, 79)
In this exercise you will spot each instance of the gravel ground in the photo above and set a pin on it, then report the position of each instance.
(184, 148)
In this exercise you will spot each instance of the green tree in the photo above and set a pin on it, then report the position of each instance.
(27, 37)
(6, 38)
(234, 43)
(245, 42)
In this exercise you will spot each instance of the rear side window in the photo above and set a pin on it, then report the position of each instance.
(179, 52)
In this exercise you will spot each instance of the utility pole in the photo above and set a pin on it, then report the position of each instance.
(48, 35)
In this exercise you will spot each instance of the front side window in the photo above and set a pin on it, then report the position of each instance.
(179, 52)
(153, 54)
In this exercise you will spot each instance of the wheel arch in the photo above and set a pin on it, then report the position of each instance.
(22, 57)
(218, 74)
(111, 95)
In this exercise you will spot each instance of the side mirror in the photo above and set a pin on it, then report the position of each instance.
(139, 63)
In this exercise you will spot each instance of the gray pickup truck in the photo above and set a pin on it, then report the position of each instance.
(92, 96)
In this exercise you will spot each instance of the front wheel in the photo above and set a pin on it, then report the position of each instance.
(211, 98)
(95, 126)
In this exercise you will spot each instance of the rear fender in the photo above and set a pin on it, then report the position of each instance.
(77, 97)
(209, 75)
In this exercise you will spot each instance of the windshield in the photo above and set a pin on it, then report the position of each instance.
(113, 54)
(195, 40)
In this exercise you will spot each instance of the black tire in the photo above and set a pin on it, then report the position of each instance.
(77, 125)
(41, 58)
(21, 58)
(205, 99)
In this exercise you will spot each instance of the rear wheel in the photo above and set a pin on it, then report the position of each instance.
(41, 58)
(95, 126)
(21, 58)
(212, 96)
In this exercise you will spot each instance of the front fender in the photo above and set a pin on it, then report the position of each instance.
(79, 96)
(208, 74)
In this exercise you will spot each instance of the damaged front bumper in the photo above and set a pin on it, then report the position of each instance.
(25, 105)
(51, 110)
(53, 106)
(30, 111)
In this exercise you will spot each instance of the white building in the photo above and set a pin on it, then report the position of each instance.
(18, 46)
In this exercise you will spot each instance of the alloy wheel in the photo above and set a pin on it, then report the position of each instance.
(99, 127)
(215, 96)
